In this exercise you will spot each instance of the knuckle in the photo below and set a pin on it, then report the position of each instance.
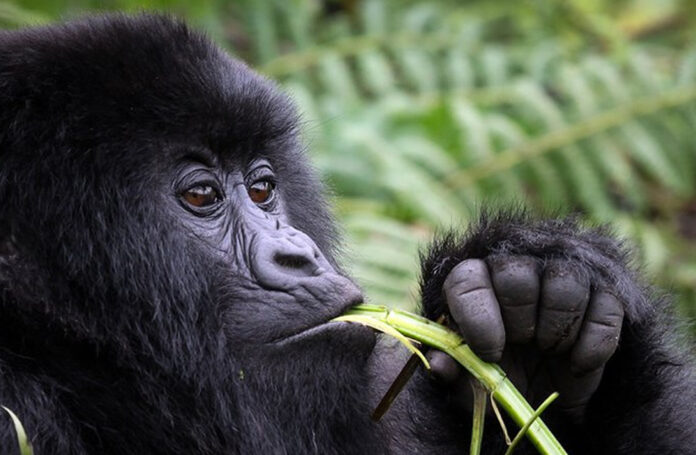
(469, 267)
(488, 344)
(565, 291)
(606, 306)
(468, 275)
(591, 358)
(488, 354)
(516, 289)
(443, 367)
(558, 330)
(477, 306)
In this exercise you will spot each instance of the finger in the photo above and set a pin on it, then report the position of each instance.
(446, 370)
(443, 367)
(516, 285)
(574, 391)
(599, 335)
(474, 308)
(565, 292)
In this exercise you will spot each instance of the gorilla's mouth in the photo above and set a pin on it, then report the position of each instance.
(339, 329)
(329, 327)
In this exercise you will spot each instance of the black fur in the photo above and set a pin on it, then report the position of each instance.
(122, 331)
(113, 322)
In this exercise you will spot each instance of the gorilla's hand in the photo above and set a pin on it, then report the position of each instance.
(543, 299)
(542, 320)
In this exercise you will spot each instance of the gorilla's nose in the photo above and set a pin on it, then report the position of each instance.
(281, 260)
(294, 260)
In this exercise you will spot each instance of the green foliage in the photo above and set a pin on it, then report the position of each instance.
(417, 113)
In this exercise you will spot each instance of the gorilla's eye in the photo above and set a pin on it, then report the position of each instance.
(261, 191)
(201, 196)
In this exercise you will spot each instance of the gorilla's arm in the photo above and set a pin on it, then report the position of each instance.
(638, 399)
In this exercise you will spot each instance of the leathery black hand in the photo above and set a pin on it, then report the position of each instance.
(544, 322)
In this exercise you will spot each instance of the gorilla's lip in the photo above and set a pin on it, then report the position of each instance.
(322, 328)
(315, 329)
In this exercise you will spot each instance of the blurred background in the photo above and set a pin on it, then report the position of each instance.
(417, 113)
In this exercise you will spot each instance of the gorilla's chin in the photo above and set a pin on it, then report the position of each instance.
(318, 376)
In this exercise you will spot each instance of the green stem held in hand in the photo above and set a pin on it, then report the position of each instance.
(491, 377)
(478, 417)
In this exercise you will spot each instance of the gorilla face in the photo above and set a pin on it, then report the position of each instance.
(236, 211)
(174, 190)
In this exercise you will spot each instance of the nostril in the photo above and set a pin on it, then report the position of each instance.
(296, 263)
(292, 261)
(285, 262)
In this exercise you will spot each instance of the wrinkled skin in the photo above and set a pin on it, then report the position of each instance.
(168, 274)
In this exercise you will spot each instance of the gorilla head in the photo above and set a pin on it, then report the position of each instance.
(167, 257)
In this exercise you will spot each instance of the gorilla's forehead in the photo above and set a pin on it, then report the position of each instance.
(94, 80)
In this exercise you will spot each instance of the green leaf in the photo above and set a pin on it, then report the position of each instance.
(24, 445)
(387, 329)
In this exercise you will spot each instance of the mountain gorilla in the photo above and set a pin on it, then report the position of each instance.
(168, 271)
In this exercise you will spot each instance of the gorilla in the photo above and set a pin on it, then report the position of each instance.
(168, 271)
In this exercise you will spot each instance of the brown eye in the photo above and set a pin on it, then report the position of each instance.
(201, 196)
(261, 191)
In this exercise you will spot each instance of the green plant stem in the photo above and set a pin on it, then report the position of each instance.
(491, 377)
(536, 415)
(479, 417)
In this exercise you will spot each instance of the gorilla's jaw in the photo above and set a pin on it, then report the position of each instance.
(309, 393)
